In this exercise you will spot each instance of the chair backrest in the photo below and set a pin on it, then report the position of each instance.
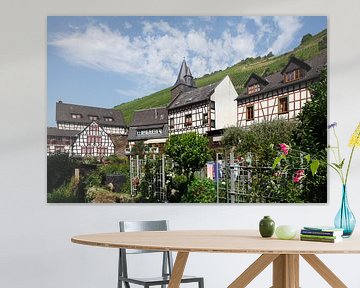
(134, 226)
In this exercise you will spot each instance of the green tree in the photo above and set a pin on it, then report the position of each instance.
(311, 133)
(306, 38)
(189, 150)
(311, 137)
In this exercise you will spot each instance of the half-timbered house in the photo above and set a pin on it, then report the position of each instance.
(92, 141)
(204, 110)
(77, 123)
(60, 141)
(78, 117)
(149, 126)
(280, 95)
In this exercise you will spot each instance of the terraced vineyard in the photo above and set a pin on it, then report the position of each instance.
(238, 73)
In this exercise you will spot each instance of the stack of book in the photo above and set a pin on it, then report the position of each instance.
(321, 234)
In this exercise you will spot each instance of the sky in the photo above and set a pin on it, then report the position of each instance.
(106, 61)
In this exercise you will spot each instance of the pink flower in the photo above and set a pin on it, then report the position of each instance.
(284, 148)
(299, 175)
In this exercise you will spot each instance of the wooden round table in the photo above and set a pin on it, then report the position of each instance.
(284, 254)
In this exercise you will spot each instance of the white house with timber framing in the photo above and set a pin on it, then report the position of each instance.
(280, 95)
(78, 117)
(87, 131)
(92, 141)
(204, 110)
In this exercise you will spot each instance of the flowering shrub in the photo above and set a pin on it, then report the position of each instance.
(291, 167)
(295, 159)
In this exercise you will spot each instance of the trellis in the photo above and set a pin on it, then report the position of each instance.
(157, 188)
(234, 181)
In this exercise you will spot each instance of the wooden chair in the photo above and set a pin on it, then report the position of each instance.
(167, 262)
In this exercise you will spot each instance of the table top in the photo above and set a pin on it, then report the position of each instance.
(217, 241)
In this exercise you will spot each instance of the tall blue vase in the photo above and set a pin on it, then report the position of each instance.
(345, 219)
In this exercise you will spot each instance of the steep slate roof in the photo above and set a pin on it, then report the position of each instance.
(152, 116)
(64, 111)
(53, 131)
(275, 80)
(185, 76)
(193, 96)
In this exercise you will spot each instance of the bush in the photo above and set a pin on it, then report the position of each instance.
(60, 169)
(112, 165)
(176, 188)
(66, 193)
(100, 195)
(200, 191)
(259, 139)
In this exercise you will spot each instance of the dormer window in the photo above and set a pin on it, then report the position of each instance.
(293, 75)
(253, 88)
(108, 119)
(76, 116)
(93, 117)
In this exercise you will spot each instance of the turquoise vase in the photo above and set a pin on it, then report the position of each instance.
(345, 219)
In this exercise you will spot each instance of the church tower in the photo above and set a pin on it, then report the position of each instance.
(184, 82)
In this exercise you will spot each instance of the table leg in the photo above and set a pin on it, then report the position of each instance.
(178, 270)
(253, 270)
(286, 271)
(324, 271)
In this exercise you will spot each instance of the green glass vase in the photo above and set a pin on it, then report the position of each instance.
(266, 227)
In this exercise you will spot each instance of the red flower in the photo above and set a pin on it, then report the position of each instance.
(284, 148)
(299, 175)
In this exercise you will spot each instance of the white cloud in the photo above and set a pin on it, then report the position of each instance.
(288, 26)
(154, 56)
(263, 28)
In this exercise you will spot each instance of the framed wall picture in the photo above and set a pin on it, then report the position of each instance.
(187, 109)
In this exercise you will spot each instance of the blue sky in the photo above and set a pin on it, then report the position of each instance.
(105, 61)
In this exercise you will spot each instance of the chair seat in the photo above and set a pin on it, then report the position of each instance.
(158, 280)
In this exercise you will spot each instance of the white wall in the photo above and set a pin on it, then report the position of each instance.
(225, 104)
(35, 248)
